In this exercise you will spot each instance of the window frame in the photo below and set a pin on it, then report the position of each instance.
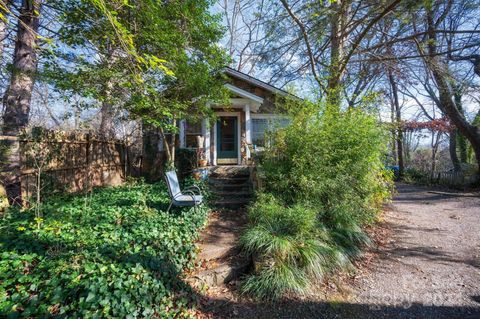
(269, 118)
(187, 133)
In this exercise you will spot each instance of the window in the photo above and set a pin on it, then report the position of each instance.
(261, 126)
(192, 130)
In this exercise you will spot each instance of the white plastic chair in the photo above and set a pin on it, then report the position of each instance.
(187, 197)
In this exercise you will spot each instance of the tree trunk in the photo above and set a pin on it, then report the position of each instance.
(433, 167)
(438, 69)
(19, 93)
(436, 137)
(462, 146)
(461, 142)
(4, 6)
(398, 121)
(166, 145)
(107, 128)
(172, 150)
(169, 146)
(107, 113)
(466, 129)
(453, 151)
(336, 52)
(394, 134)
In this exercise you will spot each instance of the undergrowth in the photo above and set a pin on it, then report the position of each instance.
(324, 181)
(113, 253)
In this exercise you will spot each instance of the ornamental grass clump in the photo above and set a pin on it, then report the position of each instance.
(324, 181)
(288, 246)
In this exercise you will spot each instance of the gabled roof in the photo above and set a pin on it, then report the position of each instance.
(244, 94)
(256, 82)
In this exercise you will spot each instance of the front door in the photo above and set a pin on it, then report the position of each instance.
(227, 140)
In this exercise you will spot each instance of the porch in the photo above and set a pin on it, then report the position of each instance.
(234, 132)
(239, 126)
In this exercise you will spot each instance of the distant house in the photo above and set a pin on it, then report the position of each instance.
(244, 122)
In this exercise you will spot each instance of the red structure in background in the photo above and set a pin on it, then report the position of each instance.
(440, 125)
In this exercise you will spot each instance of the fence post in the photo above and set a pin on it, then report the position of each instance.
(126, 166)
(87, 162)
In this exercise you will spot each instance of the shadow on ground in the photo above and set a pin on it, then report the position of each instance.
(404, 249)
(413, 194)
(426, 253)
(220, 308)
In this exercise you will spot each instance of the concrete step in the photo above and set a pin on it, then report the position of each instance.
(231, 203)
(228, 180)
(220, 258)
(230, 185)
(232, 175)
(223, 273)
(230, 188)
(212, 252)
(231, 194)
(229, 171)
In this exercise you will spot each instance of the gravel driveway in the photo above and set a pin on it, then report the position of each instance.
(428, 267)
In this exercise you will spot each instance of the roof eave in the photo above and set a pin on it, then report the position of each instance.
(244, 94)
(255, 81)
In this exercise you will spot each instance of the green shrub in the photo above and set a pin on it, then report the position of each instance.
(186, 161)
(333, 163)
(115, 253)
(416, 176)
(324, 180)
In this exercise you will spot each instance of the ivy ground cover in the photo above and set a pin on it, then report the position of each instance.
(115, 253)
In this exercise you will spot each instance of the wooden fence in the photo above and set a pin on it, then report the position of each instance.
(453, 178)
(71, 162)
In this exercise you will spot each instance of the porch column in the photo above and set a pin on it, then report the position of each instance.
(248, 128)
(206, 136)
(182, 133)
(214, 157)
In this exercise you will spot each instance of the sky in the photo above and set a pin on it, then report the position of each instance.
(303, 88)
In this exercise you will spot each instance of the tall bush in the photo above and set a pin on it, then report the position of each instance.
(325, 180)
(333, 162)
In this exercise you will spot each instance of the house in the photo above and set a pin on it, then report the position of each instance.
(244, 122)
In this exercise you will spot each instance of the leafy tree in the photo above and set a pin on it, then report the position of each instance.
(150, 60)
(175, 76)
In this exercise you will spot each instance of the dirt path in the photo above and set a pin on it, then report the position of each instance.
(428, 268)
